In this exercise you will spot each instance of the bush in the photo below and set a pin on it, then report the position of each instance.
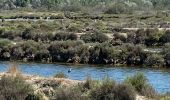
(125, 92)
(65, 36)
(118, 8)
(141, 85)
(4, 42)
(64, 50)
(165, 37)
(73, 93)
(154, 60)
(109, 90)
(14, 88)
(95, 37)
(60, 75)
(28, 34)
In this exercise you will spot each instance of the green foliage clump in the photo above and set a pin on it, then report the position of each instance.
(14, 88)
(118, 8)
(63, 36)
(97, 90)
(60, 75)
(95, 37)
(154, 60)
(109, 90)
(73, 93)
(141, 85)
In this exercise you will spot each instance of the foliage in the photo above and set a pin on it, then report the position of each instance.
(118, 8)
(60, 75)
(74, 6)
(14, 88)
(69, 94)
(95, 37)
(65, 36)
(141, 85)
(155, 60)
(109, 90)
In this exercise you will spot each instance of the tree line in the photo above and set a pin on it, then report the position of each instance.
(111, 6)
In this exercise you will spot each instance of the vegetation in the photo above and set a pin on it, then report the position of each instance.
(141, 85)
(60, 75)
(93, 47)
(79, 32)
(72, 5)
(15, 88)
(108, 89)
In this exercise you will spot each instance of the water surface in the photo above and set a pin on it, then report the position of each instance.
(160, 79)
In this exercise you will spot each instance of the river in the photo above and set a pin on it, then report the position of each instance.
(160, 79)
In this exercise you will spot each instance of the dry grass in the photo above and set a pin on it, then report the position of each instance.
(14, 69)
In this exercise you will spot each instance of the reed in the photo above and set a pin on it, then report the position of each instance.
(14, 69)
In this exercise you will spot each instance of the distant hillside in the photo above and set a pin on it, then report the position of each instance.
(111, 6)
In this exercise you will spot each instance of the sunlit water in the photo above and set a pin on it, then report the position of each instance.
(160, 79)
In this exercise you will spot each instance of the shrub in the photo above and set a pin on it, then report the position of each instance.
(95, 37)
(89, 83)
(109, 90)
(104, 91)
(33, 97)
(141, 85)
(60, 75)
(14, 88)
(165, 37)
(75, 27)
(64, 50)
(117, 8)
(28, 34)
(4, 42)
(125, 92)
(73, 93)
(65, 36)
(154, 60)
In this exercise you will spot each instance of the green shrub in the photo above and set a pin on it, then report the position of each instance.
(154, 60)
(165, 38)
(73, 93)
(14, 88)
(65, 36)
(124, 92)
(104, 91)
(109, 90)
(4, 42)
(118, 8)
(60, 75)
(33, 97)
(141, 85)
(95, 37)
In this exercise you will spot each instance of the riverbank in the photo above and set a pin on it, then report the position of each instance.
(59, 87)
(46, 86)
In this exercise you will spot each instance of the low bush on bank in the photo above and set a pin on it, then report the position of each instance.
(109, 90)
(15, 88)
(154, 60)
(70, 94)
(141, 85)
(97, 90)
(61, 75)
